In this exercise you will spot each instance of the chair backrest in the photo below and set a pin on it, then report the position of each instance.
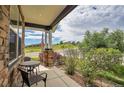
(25, 76)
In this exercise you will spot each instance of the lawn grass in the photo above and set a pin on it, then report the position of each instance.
(63, 46)
(36, 58)
(32, 49)
(55, 47)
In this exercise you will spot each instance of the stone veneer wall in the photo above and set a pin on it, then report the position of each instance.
(8, 76)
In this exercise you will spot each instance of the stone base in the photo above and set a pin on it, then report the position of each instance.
(48, 55)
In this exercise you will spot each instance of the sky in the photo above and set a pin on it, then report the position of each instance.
(81, 19)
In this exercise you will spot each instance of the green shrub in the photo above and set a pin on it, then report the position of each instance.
(97, 60)
(111, 76)
(88, 71)
(104, 58)
(118, 70)
(71, 60)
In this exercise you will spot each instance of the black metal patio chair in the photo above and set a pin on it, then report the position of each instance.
(30, 79)
(26, 58)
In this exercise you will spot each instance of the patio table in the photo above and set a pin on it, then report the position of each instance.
(30, 65)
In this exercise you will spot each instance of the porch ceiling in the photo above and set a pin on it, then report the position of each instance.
(44, 16)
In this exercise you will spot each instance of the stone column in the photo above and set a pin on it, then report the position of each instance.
(48, 52)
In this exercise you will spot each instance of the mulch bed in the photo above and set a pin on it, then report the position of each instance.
(96, 83)
(76, 77)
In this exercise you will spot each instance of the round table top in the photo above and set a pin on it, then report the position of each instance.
(30, 63)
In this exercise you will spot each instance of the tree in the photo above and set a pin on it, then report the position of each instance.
(73, 42)
(116, 40)
(95, 40)
(86, 42)
(61, 42)
(103, 39)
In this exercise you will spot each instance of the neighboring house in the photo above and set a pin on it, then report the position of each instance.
(13, 22)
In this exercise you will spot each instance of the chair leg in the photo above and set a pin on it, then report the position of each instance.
(22, 83)
(44, 83)
(36, 75)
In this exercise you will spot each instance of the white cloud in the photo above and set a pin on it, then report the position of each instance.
(92, 18)
(33, 34)
(33, 37)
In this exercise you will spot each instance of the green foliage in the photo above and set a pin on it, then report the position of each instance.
(111, 76)
(71, 60)
(102, 52)
(103, 39)
(61, 42)
(95, 40)
(55, 47)
(32, 49)
(35, 58)
(118, 70)
(97, 60)
(104, 58)
(88, 71)
(116, 40)
(74, 43)
(64, 46)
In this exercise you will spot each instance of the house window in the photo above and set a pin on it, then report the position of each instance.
(20, 40)
(12, 45)
(15, 36)
(19, 46)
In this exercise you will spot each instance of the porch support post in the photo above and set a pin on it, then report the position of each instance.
(23, 39)
(50, 39)
(18, 18)
(46, 45)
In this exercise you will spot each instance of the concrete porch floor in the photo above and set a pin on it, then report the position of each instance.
(56, 78)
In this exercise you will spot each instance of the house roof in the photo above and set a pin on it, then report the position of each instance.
(44, 16)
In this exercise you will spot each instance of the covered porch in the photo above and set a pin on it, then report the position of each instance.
(45, 19)
(41, 18)
(16, 20)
